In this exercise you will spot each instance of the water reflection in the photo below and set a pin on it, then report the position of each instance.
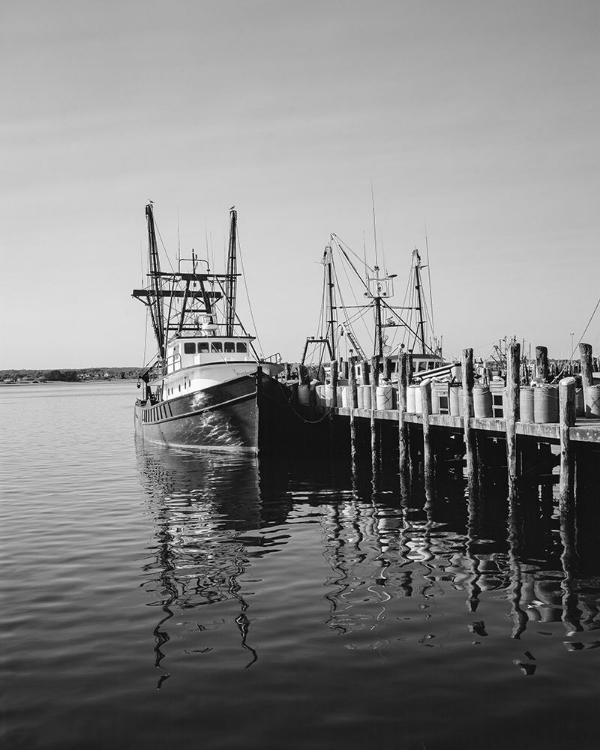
(416, 564)
(208, 513)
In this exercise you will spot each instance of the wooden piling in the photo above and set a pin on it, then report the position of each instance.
(303, 375)
(467, 384)
(386, 371)
(352, 386)
(566, 395)
(427, 455)
(402, 436)
(374, 381)
(585, 354)
(333, 380)
(511, 411)
(541, 364)
(366, 368)
(587, 379)
(374, 432)
(354, 404)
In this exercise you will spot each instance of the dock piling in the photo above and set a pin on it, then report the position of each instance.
(427, 454)
(333, 375)
(541, 364)
(403, 455)
(467, 384)
(587, 379)
(374, 432)
(566, 390)
(511, 411)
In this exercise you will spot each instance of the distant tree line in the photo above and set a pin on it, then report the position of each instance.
(69, 376)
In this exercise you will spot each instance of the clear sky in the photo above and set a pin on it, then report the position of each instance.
(476, 121)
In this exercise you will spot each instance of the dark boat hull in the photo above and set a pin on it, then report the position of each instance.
(246, 414)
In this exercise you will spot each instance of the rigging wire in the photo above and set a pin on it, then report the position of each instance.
(353, 293)
(321, 330)
(163, 246)
(587, 326)
(248, 297)
(345, 249)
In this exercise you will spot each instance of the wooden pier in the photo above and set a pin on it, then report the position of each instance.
(570, 442)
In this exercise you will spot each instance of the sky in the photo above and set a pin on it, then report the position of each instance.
(473, 123)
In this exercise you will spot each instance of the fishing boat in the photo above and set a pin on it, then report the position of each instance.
(207, 387)
(349, 318)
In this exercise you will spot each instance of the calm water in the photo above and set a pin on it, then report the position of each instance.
(153, 599)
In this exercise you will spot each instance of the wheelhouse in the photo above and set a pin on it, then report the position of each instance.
(184, 352)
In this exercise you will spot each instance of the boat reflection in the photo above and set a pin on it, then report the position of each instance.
(209, 512)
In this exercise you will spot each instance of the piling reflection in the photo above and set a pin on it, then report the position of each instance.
(402, 561)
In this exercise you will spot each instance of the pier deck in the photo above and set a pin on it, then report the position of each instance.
(585, 430)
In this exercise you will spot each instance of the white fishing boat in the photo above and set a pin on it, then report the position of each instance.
(207, 387)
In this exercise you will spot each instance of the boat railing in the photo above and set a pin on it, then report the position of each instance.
(274, 358)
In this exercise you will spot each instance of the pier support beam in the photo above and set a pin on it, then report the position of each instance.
(333, 379)
(566, 395)
(467, 384)
(374, 432)
(403, 455)
(511, 412)
(587, 379)
(585, 354)
(366, 370)
(353, 403)
(427, 454)
(541, 364)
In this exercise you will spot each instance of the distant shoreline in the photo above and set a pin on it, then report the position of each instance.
(22, 376)
(86, 381)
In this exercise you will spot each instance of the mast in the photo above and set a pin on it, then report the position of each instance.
(420, 322)
(231, 283)
(156, 304)
(330, 305)
(378, 327)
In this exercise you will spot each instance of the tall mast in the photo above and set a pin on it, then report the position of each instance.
(156, 305)
(420, 322)
(231, 283)
(330, 305)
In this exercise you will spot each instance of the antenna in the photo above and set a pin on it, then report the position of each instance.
(374, 224)
(206, 242)
(429, 282)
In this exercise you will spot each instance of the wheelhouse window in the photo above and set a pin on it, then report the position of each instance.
(241, 347)
(189, 347)
(229, 347)
(216, 346)
(202, 346)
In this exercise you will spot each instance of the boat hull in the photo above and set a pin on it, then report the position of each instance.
(246, 414)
